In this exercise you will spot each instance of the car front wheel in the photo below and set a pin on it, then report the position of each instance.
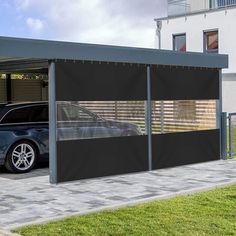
(21, 157)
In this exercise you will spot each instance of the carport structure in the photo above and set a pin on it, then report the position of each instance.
(171, 99)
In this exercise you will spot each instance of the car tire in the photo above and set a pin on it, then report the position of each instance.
(21, 157)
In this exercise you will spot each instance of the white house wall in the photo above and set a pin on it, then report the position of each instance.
(194, 26)
(229, 93)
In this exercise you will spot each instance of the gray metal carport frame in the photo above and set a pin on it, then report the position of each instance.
(35, 55)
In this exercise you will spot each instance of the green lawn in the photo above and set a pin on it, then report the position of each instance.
(210, 213)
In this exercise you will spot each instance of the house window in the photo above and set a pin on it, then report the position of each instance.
(211, 43)
(179, 42)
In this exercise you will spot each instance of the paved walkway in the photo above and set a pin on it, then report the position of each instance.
(26, 200)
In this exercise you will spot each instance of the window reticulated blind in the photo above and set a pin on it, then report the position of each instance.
(183, 115)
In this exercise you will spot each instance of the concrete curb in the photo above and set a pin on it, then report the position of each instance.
(7, 233)
(127, 204)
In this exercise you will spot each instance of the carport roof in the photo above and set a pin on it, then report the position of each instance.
(17, 51)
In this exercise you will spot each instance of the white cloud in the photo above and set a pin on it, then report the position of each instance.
(35, 25)
(119, 22)
(23, 4)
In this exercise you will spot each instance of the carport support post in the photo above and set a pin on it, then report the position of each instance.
(148, 119)
(224, 136)
(219, 118)
(52, 124)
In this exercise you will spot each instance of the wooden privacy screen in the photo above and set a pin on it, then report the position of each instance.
(174, 116)
(117, 94)
(24, 90)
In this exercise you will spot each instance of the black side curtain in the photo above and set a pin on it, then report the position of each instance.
(176, 149)
(173, 149)
(89, 158)
(100, 82)
(94, 81)
(170, 83)
(77, 81)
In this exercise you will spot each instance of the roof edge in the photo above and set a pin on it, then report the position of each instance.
(12, 48)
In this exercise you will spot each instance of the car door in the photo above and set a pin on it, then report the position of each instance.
(91, 125)
(39, 117)
(28, 122)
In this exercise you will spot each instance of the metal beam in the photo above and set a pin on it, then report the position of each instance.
(52, 124)
(220, 119)
(24, 66)
(148, 119)
(223, 136)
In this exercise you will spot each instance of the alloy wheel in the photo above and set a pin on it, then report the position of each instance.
(23, 156)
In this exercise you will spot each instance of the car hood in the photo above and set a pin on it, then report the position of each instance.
(122, 124)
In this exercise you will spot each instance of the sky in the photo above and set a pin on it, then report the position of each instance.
(113, 22)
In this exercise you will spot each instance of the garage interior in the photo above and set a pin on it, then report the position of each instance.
(173, 98)
(24, 81)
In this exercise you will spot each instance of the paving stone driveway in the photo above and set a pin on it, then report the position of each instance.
(30, 198)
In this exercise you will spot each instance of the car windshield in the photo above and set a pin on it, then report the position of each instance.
(73, 112)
